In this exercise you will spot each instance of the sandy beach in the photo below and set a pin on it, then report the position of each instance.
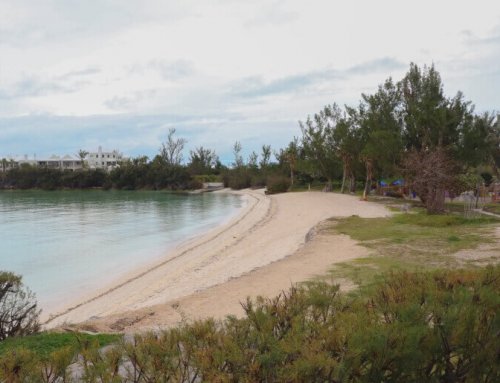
(262, 251)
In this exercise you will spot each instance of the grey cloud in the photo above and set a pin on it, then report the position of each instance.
(124, 103)
(275, 13)
(377, 65)
(34, 86)
(168, 70)
(256, 87)
(61, 20)
(173, 70)
(471, 39)
(80, 73)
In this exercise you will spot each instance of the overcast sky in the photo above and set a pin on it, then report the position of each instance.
(118, 73)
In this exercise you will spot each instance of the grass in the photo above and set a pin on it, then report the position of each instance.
(46, 342)
(492, 208)
(414, 241)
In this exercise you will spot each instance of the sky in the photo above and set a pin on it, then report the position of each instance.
(120, 73)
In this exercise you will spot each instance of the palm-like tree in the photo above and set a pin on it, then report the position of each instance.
(82, 154)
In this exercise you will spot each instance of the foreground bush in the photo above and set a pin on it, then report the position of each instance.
(18, 307)
(412, 327)
(277, 184)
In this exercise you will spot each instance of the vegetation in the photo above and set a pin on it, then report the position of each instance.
(435, 327)
(45, 343)
(18, 307)
(407, 128)
(414, 241)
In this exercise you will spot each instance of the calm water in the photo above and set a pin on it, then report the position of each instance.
(65, 243)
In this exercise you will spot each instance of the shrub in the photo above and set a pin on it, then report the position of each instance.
(237, 179)
(277, 184)
(411, 327)
(18, 307)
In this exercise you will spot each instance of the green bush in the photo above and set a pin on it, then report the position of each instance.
(18, 307)
(277, 184)
(239, 178)
(410, 327)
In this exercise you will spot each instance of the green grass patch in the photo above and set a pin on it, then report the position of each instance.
(492, 208)
(414, 241)
(47, 342)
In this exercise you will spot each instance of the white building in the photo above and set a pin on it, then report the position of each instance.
(104, 160)
(7, 163)
(95, 160)
(66, 162)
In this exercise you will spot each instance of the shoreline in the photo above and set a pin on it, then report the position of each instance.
(177, 250)
(271, 229)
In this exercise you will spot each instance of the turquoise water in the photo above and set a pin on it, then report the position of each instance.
(66, 243)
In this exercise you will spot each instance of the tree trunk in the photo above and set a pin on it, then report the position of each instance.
(368, 182)
(435, 201)
(344, 175)
(494, 166)
(328, 187)
(352, 181)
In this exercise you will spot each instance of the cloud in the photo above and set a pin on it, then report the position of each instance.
(36, 85)
(251, 87)
(79, 73)
(273, 13)
(168, 70)
(27, 23)
(381, 65)
(124, 103)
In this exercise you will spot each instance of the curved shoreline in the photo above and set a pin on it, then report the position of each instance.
(271, 229)
(189, 245)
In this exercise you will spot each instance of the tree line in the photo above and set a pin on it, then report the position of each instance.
(407, 128)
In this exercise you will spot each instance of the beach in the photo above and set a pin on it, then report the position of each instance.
(273, 242)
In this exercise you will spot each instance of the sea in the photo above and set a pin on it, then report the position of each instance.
(65, 244)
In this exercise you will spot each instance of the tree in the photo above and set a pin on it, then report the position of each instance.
(317, 141)
(480, 142)
(18, 307)
(290, 156)
(434, 127)
(252, 160)
(265, 156)
(430, 173)
(381, 130)
(202, 161)
(82, 154)
(238, 158)
(171, 150)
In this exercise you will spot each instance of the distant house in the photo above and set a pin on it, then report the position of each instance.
(104, 160)
(94, 160)
(8, 163)
(66, 162)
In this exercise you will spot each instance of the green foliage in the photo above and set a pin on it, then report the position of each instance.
(28, 177)
(18, 307)
(410, 327)
(277, 184)
(203, 161)
(45, 343)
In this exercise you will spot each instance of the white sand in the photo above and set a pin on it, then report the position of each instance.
(195, 274)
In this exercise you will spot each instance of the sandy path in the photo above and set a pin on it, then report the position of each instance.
(268, 230)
